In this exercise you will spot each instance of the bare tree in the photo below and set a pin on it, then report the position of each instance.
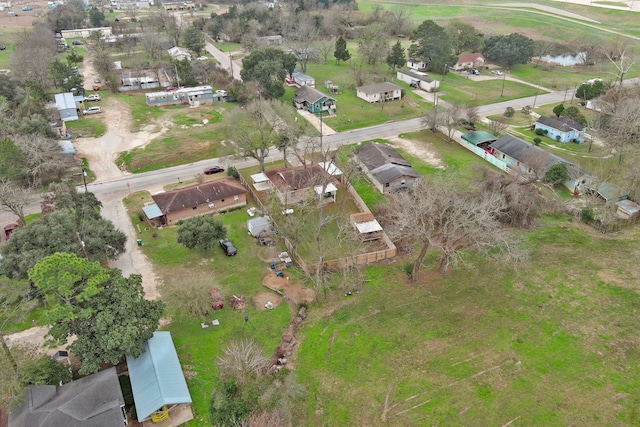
(535, 163)
(542, 48)
(44, 159)
(586, 48)
(325, 48)
(301, 38)
(151, 41)
(256, 129)
(372, 44)
(432, 119)
(399, 20)
(451, 118)
(15, 198)
(242, 360)
(34, 52)
(437, 215)
(498, 127)
(623, 55)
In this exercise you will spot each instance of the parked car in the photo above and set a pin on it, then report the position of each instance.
(92, 97)
(92, 110)
(96, 87)
(497, 72)
(2, 47)
(213, 169)
(77, 43)
(203, 58)
(474, 71)
(228, 247)
(26, 8)
(96, 80)
(171, 89)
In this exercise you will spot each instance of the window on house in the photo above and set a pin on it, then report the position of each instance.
(236, 198)
(402, 182)
(222, 200)
(387, 184)
(518, 163)
(504, 156)
(194, 208)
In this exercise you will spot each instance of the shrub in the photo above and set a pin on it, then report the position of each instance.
(232, 171)
(509, 112)
(539, 131)
(587, 214)
(526, 109)
(537, 141)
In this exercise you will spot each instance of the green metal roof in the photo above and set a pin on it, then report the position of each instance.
(477, 137)
(156, 376)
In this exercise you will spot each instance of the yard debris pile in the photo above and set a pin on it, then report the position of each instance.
(238, 303)
(287, 343)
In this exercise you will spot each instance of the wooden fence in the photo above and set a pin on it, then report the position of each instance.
(390, 250)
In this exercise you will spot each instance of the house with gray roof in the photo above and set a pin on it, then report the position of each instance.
(561, 129)
(523, 157)
(157, 380)
(380, 92)
(95, 400)
(387, 170)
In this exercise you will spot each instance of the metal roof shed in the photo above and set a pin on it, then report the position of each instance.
(156, 377)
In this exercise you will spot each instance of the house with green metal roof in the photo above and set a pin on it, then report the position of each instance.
(157, 381)
(479, 138)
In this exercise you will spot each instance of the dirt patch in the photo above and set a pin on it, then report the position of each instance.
(419, 150)
(260, 299)
(268, 254)
(295, 293)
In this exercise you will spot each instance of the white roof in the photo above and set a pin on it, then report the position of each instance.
(259, 177)
(330, 168)
(330, 188)
(368, 227)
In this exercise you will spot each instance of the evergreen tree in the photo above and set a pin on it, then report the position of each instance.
(341, 53)
(396, 58)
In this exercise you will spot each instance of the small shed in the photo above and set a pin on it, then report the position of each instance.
(479, 138)
(68, 150)
(367, 226)
(326, 191)
(261, 182)
(259, 225)
(66, 106)
(628, 209)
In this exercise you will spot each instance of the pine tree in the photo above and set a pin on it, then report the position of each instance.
(341, 53)
(396, 57)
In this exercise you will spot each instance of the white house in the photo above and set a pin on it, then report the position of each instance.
(299, 79)
(418, 80)
(416, 64)
(66, 106)
(380, 92)
(179, 53)
(469, 60)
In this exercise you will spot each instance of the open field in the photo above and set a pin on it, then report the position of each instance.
(551, 345)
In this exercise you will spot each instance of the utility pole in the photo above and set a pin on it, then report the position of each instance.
(84, 179)
(504, 75)
(535, 98)
(84, 249)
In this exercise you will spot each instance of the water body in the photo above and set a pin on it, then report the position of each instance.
(565, 60)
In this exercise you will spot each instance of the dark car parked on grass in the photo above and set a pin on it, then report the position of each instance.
(213, 169)
(228, 247)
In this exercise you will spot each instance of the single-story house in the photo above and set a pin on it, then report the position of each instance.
(479, 138)
(562, 129)
(386, 168)
(301, 183)
(157, 380)
(525, 158)
(628, 209)
(179, 53)
(416, 64)
(380, 92)
(178, 4)
(95, 400)
(192, 96)
(469, 60)
(418, 80)
(131, 4)
(66, 106)
(200, 199)
(259, 225)
(311, 99)
(611, 192)
(299, 79)
(130, 78)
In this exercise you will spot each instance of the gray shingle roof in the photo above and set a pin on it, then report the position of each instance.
(563, 124)
(93, 401)
(310, 95)
(374, 155)
(390, 172)
(520, 150)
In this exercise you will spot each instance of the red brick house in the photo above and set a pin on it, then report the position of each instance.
(200, 199)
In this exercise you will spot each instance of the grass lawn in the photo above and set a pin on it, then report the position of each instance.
(92, 126)
(242, 274)
(483, 347)
(457, 89)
